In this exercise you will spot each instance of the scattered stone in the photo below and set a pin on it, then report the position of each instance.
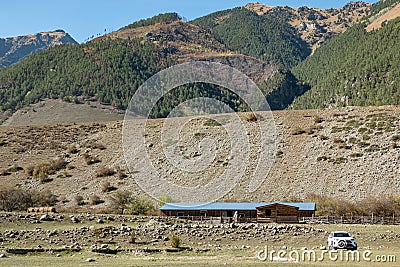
(90, 260)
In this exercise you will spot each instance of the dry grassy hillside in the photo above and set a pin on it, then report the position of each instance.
(347, 153)
(385, 15)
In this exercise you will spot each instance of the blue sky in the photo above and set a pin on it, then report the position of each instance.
(84, 18)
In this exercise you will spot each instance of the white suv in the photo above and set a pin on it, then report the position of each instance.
(342, 240)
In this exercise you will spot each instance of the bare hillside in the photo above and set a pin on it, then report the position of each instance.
(13, 49)
(385, 15)
(347, 153)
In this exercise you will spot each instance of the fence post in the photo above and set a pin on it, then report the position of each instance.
(372, 218)
(394, 222)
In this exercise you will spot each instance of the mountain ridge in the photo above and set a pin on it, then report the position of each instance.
(14, 49)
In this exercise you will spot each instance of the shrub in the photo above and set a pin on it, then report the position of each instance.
(298, 131)
(356, 155)
(4, 172)
(323, 137)
(318, 119)
(353, 123)
(395, 138)
(174, 241)
(250, 117)
(79, 200)
(95, 200)
(15, 199)
(353, 140)
(15, 168)
(338, 141)
(336, 129)
(322, 158)
(107, 187)
(139, 206)
(395, 145)
(104, 172)
(44, 169)
(211, 122)
(164, 199)
(72, 149)
(121, 174)
(93, 144)
(120, 201)
(45, 179)
(200, 135)
(131, 239)
(89, 159)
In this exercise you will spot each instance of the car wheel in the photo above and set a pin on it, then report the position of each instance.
(342, 244)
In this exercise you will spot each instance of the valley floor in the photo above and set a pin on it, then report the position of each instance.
(111, 240)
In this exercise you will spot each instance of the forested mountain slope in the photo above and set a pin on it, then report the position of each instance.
(356, 68)
(110, 68)
(280, 34)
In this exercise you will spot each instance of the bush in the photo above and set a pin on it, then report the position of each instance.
(164, 199)
(250, 117)
(298, 131)
(174, 241)
(212, 123)
(72, 149)
(140, 206)
(104, 172)
(318, 119)
(120, 201)
(89, 159)
(395, 138)
(44, 169)
(15, 199)
(107, 187)
(323, 137)
(95, 200)
(79, 200)
(94, 145)
(121, 174)
(379, 206)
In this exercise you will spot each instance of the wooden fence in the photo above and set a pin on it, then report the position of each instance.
(371, 219)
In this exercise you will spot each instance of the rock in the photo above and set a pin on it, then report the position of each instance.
(100, 221)
(3, 255)
(45, 217)
(90, 260)
(74, 220)
(58, 255)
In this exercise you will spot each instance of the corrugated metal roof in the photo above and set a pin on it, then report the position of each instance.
(233, 205)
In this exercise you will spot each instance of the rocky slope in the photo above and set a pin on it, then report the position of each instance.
(13, 49)
(316, 25)
(349, 153)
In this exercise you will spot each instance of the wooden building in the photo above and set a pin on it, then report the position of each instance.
(280, 212)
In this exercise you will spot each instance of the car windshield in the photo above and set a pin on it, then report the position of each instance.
(341, 235)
